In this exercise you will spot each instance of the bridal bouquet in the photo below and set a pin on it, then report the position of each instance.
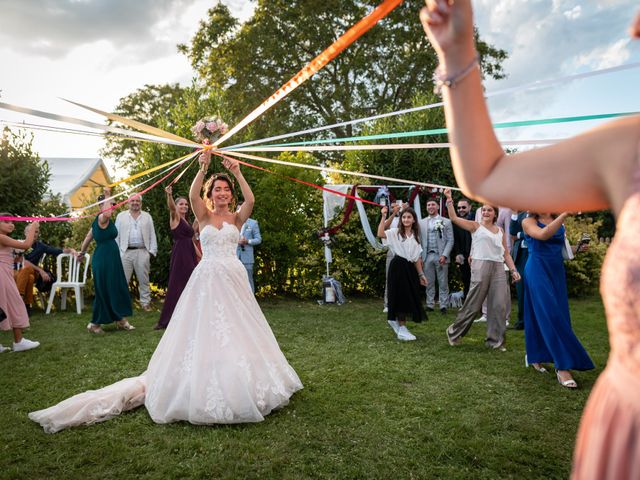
(208, 130)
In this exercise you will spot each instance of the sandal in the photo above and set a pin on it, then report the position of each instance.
(124, 325)
(571, 383)
(536, 366)
(91, 328)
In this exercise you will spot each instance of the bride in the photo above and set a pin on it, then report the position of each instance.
(218, 361)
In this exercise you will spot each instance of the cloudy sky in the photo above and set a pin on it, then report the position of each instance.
(97, 51)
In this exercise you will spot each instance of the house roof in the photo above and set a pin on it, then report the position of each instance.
(69, 174)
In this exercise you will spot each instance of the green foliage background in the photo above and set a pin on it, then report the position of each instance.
(239, 65)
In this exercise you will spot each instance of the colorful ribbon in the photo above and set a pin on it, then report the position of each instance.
(440, 131)
(98, 126)
(297, 180)
(157, 132)
(335, 170)
(538, 84)
(391, 146)
(153, 169)
(316, 64)
(113, 207)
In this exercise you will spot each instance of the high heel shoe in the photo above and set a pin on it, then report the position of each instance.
(91, 328)
(536, 366)
(124, 325)
(571, 383)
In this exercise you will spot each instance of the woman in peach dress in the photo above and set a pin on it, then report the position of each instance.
(593, 171)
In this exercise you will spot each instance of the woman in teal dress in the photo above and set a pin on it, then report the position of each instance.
(112, 302)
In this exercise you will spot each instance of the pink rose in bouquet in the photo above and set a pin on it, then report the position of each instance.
(208, 130)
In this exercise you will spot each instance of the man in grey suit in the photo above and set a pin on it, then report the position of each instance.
(436, 234)
(249, 238)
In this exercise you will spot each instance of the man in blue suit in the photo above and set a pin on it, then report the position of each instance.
(520, 254)
(249, 238)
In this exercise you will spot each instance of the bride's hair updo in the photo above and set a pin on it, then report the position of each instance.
(208, 189)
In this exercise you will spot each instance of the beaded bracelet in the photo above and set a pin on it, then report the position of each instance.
(441, 79)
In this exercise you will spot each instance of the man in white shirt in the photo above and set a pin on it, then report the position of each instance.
(137, 242)
(436, 235)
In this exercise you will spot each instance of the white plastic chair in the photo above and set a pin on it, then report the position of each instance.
(71, 274)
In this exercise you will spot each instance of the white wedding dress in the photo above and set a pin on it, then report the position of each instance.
(217, 362)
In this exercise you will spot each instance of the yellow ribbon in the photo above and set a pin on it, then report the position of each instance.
(153, 169)
(137, 125)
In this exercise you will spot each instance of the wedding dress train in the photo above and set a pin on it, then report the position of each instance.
(217, 362)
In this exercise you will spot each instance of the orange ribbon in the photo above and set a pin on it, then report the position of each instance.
(317, 64)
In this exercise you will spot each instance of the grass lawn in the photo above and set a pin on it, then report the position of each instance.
(372, 407)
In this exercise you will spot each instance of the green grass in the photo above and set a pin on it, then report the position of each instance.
(372, 407)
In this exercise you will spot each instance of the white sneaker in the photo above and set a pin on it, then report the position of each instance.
(385, 310)
(404, 334)
(394, 325)
(4, 349)
(24, 345)
(483, 318)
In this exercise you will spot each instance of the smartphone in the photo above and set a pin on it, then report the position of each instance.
(586, 238)
(399, 203)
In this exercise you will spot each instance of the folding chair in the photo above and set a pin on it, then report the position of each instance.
(71, 274)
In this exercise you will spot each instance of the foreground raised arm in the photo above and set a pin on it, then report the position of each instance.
(537, 179)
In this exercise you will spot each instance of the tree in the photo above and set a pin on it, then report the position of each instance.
(381, 71)
(24, 187)
(25, 176)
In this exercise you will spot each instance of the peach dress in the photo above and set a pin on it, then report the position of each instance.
(608, 443)
(10, 299)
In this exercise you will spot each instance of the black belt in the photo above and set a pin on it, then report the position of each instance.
(134, 248)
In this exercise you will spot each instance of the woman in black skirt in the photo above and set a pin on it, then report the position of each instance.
(405, 272)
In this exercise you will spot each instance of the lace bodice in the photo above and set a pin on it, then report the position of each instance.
(221, 243)
(620, 284)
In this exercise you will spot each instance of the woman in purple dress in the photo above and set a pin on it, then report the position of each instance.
(183, 255)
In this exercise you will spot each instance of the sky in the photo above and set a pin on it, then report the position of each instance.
(97, 51)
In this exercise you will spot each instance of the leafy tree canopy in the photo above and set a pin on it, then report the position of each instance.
(381, 71)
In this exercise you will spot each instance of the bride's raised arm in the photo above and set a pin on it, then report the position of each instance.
(249, 200)
(536, 179)
(197, 204)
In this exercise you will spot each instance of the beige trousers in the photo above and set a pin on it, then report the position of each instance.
(487, 281)
(138, 260)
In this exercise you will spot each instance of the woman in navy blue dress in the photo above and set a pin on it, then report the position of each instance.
(549, 337)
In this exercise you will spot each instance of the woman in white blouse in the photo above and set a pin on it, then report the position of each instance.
(489, 253)
(405, 272)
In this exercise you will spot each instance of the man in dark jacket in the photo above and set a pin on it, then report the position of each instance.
(462, 244)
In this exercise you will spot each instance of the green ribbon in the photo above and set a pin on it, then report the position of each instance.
(439, 131)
